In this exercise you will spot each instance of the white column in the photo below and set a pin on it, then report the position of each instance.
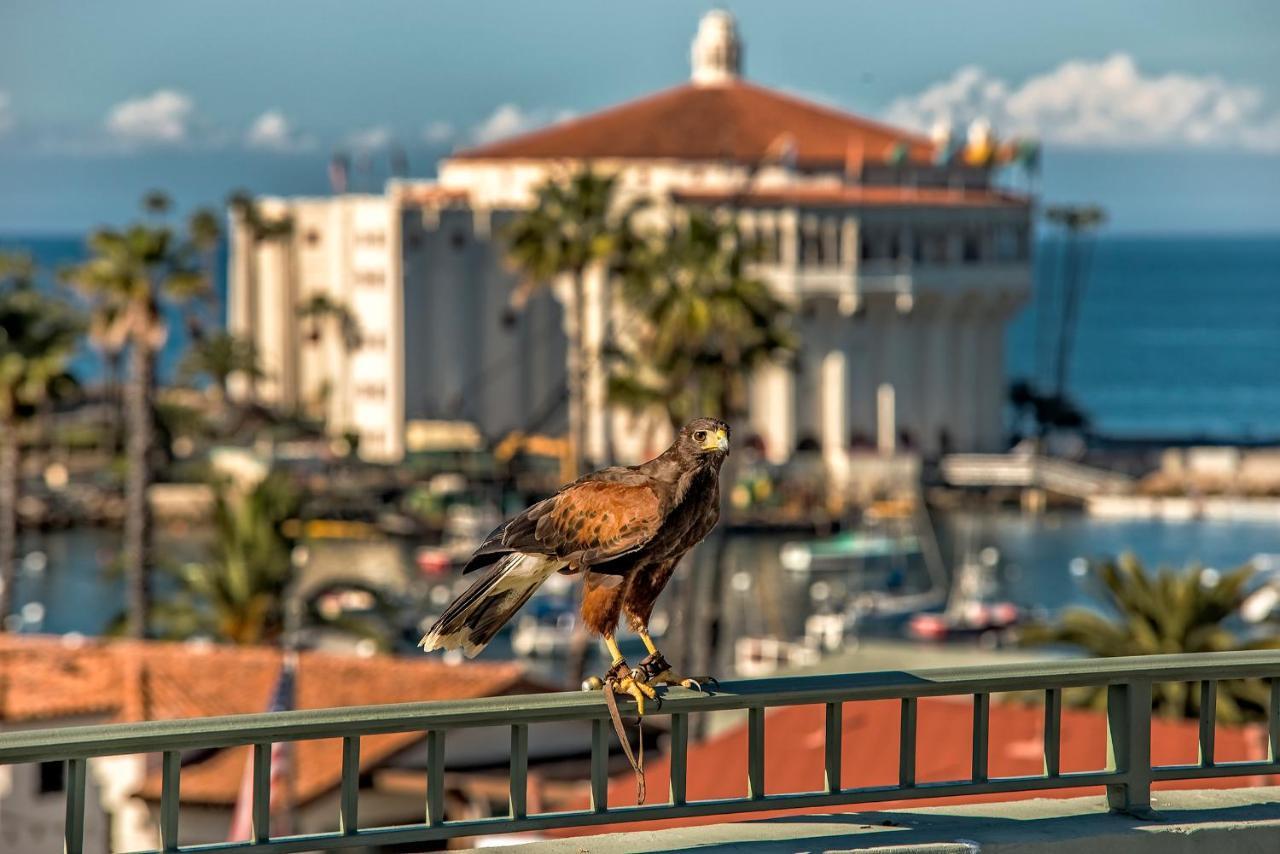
(941, 376)
(834, 429)
(886, 420)
(967, 390)
(396, 332)
(595, 394)
(773, 410)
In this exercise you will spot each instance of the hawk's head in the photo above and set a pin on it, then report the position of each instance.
(704, 440)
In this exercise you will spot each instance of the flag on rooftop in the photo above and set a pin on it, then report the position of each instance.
(282, 699)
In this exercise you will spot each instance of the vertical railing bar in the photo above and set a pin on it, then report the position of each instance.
(1052, 732)
(981, 734)
(261, 793)
(349, 804)
(1129, 746)
(907, 744)
(435, 777)
(519, 797)
(679, 757)
(1273, 718)
(1208, 720)
(170, 781)
(599, 766)
(73, 827)
(755, 752)
(834, 744)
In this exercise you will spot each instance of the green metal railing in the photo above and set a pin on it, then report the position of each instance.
(1127, 777)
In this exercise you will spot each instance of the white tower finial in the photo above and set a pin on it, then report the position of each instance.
(717, 50)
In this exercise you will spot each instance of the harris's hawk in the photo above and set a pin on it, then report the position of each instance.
(623, 529)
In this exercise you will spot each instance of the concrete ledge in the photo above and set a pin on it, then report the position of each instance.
(1242, 821)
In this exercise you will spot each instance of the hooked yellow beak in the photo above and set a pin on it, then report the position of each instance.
(717, 441)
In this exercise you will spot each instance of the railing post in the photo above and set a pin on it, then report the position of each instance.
(1129, 747)
(518, 798)
(261, 807)
(171, 772)
(834, 745)
(599, 765)
(1052, 732)
(1273, 721)
(435, 777)
(981, 731)
(349, 799)
(907, 744)
(755, 752)
(1208, 720)
(679, 758)
(73, 827)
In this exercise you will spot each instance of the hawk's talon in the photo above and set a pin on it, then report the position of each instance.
(623, 681)
(671, 677)
(639, 691)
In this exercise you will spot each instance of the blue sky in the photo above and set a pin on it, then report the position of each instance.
(1168, 113)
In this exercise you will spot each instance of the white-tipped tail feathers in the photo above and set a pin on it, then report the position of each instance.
(473, 619)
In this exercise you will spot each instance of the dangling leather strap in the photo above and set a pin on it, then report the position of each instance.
(612, 680)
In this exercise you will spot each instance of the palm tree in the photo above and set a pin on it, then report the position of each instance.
(206, 234)
(131, 275)
(258, 229)
(707, 324)
(317, 314)
(1168, 611)
(219, 356)
(574, 227)
(37, 339)
(319, 309)
(237, 594)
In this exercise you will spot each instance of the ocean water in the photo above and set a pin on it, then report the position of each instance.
(1178, 337)
(52, 254)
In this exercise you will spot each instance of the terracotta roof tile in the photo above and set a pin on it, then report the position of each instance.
(739, 122)
(795, 754)
(859, 196)
(44, 678)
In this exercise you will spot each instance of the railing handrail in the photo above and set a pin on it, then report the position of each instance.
(1127, 777)
(304, 724)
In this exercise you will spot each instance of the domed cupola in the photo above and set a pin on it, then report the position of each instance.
(717, 50)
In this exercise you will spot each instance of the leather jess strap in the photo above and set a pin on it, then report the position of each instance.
(613, 680)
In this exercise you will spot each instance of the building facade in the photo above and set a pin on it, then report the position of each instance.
(903, 265)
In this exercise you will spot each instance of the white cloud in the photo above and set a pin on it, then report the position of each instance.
(370, 139)
(164, 117)
(438, 132)
(6, 113)
(272, 131)
(510, 119)
(1108, 102)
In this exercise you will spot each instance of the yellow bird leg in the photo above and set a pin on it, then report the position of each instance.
(648, 642)
(622, 682)
(612, 646)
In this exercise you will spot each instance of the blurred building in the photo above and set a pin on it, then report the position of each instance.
(903, 261)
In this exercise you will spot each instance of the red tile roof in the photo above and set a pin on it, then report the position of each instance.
(859, 196)
(795, 752)
(46, 678)
(738, 121)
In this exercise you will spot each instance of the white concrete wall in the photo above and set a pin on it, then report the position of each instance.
(928, 324)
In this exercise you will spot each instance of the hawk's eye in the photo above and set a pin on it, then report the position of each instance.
(700, 436)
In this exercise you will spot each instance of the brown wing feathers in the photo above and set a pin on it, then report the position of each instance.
(587, 523)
